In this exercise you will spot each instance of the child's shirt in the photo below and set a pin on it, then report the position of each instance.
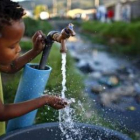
(2, 124)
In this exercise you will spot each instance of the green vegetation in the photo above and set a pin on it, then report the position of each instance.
(119, 36)
(33, 25)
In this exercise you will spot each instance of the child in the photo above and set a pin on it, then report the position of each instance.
(11, 31)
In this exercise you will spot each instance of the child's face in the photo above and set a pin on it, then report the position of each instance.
(9, 42)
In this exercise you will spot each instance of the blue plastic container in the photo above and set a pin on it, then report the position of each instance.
(32, 85)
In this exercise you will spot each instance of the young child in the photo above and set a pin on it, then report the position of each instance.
(11, 31)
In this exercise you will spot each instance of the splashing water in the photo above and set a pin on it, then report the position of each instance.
(66, 122)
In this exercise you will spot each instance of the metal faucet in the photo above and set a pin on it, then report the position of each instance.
(58, 37)
(62, 36)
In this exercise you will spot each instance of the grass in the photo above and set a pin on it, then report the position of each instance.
(121, 37)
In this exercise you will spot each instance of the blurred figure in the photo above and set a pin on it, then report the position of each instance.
(98, 14)
(101, 13)
(110, 15)
(118, 7)
(126, 12)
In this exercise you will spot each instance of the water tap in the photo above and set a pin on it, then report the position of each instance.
(59, 37)
(62, 36)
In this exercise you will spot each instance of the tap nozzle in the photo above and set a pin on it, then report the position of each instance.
(63, 35)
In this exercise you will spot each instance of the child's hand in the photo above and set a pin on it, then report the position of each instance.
(38, 41)
(55, 102)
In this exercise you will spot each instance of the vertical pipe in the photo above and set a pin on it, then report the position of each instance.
(44, 57)
(32, 85)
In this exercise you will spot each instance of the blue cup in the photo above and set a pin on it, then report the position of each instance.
(31, 86)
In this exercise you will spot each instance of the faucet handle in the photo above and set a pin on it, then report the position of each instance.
(62, 36)
(67, 32)
(70, 29)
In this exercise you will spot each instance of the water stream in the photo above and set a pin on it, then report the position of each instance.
(66, 121)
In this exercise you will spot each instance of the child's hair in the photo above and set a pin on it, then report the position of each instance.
(9, 11)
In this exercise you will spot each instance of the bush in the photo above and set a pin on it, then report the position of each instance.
(126, 35)
(32, 25)
(94, 27)
(117, 30)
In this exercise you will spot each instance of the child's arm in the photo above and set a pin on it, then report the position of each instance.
(18, 63)
(15, 110)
